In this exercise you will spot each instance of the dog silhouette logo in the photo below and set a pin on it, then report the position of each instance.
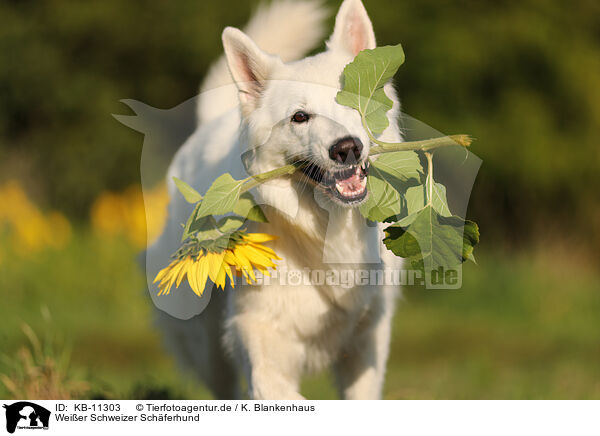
(26, 415)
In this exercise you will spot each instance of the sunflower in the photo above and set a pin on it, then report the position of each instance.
(244, 253)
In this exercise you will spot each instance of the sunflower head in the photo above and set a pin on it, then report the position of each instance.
(218, 259)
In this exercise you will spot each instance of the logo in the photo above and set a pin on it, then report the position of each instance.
(26, 415)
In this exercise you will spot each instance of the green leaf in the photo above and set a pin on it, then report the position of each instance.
(230, 224)
(401, 165)
(221, 197)
(438, 198)
(247, 208)
(364, 79)
(430, 241)
(205, 228)
(383, 201)
(189, 193)
(415, 199)
(470, 240)
(219, 243)
(188, 225)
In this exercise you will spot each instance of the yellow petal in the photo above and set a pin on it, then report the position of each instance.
(201, 275)
(175, 272)
(192, 276)
(214, 260)
(268, 251)
(185, 267)
(258, 237)
(166, 283)
(228, 272)
(221, 277)
(256, 256)
(245, 262)
(161, 274)
(230, 259)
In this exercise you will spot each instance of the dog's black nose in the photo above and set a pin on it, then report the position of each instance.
(346, 148)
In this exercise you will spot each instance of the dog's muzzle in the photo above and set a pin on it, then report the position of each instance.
(347, 181)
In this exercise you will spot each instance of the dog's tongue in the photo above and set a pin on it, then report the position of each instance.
(353, 185)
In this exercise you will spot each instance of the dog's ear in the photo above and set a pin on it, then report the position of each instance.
(353, 30)
(250, 67)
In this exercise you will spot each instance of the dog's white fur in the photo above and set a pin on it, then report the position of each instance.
(276, 333)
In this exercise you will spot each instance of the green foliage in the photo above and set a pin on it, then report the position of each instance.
(224, 196)
(221, 197)
(439, 202)
(364, 79)
(202, 228)
(247, 207)
(401, 165)
(230, 223)
(470, 239)
(383, 201)
(429, 236)
(189, 193)
(430, 240)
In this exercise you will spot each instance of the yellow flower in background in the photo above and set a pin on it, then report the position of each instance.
(29, 229)
(243, 256)
(138, 216)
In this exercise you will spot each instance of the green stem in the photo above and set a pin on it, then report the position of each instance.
(425, 145)
(429, 183)
(254, 181)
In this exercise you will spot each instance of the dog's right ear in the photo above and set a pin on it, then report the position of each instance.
(250, 67)
(353, 30)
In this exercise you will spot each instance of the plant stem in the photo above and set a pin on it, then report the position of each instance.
(425, 145)
(254, 181)
(429, 184)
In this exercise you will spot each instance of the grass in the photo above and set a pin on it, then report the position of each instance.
(524, 325)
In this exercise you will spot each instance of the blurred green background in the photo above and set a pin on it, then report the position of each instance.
(522, 77)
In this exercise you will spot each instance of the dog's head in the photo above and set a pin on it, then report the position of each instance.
(291, 115)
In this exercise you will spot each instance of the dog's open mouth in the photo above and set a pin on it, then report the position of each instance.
(349, 185)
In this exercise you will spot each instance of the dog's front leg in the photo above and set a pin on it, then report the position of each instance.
(360, 369)
(271, 359)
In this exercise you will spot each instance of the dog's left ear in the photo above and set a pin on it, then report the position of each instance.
(250, 67)
(353, 30)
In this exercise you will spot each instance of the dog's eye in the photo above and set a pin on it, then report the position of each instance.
(300, 117)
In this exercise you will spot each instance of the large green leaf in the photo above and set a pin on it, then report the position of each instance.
(221, 197)
(364, 79)
(189, 193)
(415, 199)
(430, 241)
(383, 201)
(438, 198)
(401, 165)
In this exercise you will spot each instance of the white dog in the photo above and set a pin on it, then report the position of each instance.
(282, 113)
